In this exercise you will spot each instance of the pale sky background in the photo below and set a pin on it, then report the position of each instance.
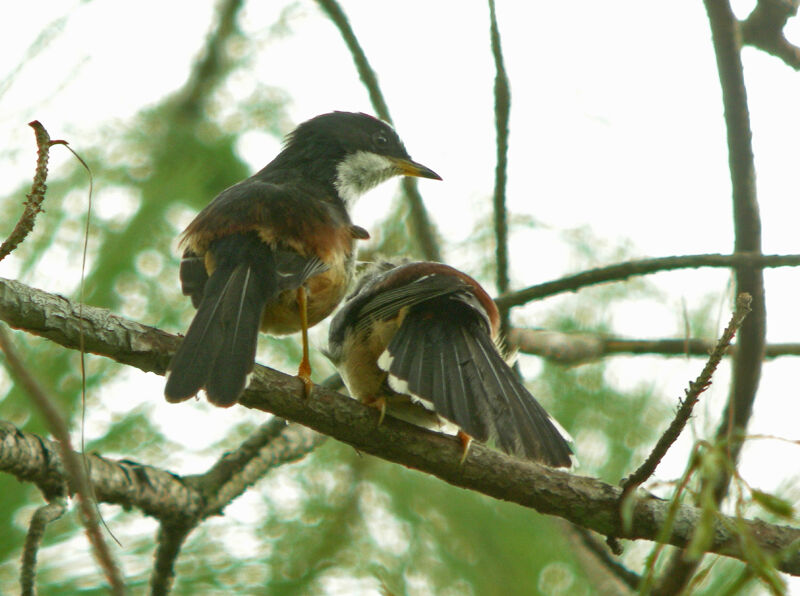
(616, 126)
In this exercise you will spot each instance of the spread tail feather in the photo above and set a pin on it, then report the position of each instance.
(448, 359)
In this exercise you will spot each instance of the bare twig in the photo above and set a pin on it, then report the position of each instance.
(623, 271)
(232, 462)
(747, 361)
(746, 219)
(45, 514)
(692, 394)
(601, 553)
(209, 69)
(294, 443)
(365, 72)
(648, 577)
(421, 230)
(763, 29)
(171, 536)
(570, 349)
(273, 444)
(502, 108)
(33, 204)
(77, 477)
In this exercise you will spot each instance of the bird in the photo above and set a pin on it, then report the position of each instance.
(421, 340)
(275, 251)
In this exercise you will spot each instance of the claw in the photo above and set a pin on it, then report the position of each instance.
(466, 441)
(380, 404)
(304, 374)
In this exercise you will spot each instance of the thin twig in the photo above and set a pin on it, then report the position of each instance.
(502, 108)
(293, 444)
(763, 29)
(569, 349)
(421, 230)
(747, 362)
(171, 536)
(692, 395)
(33, 204)
(45, 514)
(606, 559)
(77, 476)
(212, 65)
(622, 271)
(668, 525)
(746, 220)
(233, 462)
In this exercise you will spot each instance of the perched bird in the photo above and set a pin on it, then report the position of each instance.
(275, 251)
(422, 337)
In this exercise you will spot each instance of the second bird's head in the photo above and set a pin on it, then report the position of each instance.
(354, 152)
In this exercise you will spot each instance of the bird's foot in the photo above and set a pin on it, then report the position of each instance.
(380, 404)
(466, 441)
(304, 374)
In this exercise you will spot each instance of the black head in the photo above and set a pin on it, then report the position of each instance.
(352, 151)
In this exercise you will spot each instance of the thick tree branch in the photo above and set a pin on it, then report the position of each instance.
(623, 271)
(582, 500)
(170, 539)
(585, 501)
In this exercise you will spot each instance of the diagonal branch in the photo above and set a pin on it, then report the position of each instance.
(76, 476)
(44, 515)
(746, 219)
(421, 229)
(691, 397)
(502, 108)
(763, 29)
(211, 66)
(584, 501)
(170, 539)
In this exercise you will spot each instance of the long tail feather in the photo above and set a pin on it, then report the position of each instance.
(219, 348)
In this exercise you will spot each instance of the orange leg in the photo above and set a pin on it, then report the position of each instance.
(466, 441)
(304, 372)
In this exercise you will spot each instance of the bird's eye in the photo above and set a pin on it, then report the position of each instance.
(380, 139)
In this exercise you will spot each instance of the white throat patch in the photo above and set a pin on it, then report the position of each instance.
(361, 171)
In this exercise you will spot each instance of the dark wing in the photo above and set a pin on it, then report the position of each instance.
(377, 297)
(443, 354)
(219, 348)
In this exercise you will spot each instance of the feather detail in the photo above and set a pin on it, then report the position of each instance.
(218, 351)
(443, 354)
